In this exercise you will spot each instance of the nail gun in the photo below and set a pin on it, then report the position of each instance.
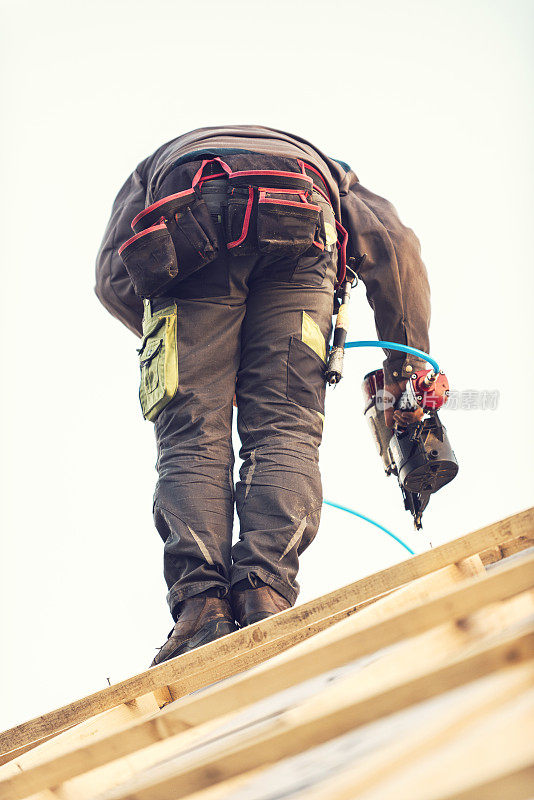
(419, 454)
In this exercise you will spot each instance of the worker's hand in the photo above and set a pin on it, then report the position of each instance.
(392, 393)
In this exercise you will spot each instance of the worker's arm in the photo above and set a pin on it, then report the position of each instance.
(394, 275)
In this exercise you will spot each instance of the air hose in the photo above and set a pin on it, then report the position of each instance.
(372, 521)
(394, 346)
(404, 349)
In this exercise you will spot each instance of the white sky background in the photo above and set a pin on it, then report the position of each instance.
(430, 103)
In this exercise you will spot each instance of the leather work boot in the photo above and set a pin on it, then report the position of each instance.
(254, 604)
(202, 619)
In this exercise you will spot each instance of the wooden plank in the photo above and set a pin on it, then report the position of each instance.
(485, 696)
(505, 550)
(416, 591)
(420, 733)
(515, 785)
(413, 593)
(496, 747)
(431, 649)
(445, 642)
(520, 524)
(20, 751)
(115, 717)
(86, 786)
(350, 639)
(324, 719)
(79, 735)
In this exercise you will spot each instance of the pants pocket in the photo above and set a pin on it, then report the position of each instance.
(305, 376)
(150, 260)
(287, 224)
(158, 361)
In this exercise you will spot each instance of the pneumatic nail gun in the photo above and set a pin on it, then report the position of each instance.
(418, 454)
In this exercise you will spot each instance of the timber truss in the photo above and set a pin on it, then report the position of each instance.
(415, 683)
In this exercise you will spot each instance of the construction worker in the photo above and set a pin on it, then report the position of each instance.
(223, 251)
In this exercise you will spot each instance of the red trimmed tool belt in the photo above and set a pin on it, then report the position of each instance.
(270, 211)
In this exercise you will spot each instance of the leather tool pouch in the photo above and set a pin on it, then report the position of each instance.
(269, 211)
(174, 237)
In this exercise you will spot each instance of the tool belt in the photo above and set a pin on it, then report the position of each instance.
(270, 211)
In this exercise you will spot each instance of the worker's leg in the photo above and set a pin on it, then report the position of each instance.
(280, 393)
(194, 502)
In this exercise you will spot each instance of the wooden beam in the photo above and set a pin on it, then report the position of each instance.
(82, 734)
(432, 649)
(520, 524)
(365, 773)
(444, 641)
(497, 747)
(415, 592)
(114, 718)
(351, 639)
(354, 637)
(514, 785)
(326, 718)
(507, 549)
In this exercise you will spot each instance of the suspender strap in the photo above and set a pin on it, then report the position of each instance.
(342, 239)
(319, 182)
(199, 179)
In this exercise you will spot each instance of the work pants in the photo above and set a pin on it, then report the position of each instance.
(256, 326)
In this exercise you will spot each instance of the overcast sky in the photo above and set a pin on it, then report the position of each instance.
(429, 102)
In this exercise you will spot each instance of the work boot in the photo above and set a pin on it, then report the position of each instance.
(202, 619)
(252, 604)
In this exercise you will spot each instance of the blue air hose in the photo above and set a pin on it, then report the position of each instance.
(372, 521)
(404, 349)
(394, 346)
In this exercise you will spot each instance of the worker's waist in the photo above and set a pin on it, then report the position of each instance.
(258, 169)
(216, 191)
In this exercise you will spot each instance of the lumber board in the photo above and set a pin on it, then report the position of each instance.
(299, 729)
(114, 718)
(444, 642)
(378, 626)
(417, 591)
(254, 686)
(101, 724)
(319, 774)
(496, 747)
(507, 549)
(515, 785)
(432, 649)
(282, 624)
(227, 668)
(6, 758)
(95, 781)
(485, 696)
(349, 640)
